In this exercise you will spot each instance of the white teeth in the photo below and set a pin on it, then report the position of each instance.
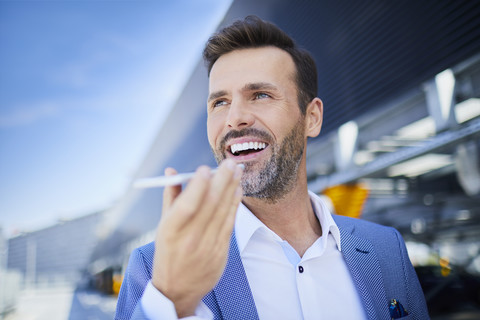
(247, 146)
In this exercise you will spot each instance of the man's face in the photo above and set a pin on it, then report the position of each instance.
(254, 118)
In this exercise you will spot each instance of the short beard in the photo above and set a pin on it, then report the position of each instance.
(278, 175)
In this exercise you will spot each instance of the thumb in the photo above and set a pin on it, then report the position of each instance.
(170, 193)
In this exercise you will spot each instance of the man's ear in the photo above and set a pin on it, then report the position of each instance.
(314, 118)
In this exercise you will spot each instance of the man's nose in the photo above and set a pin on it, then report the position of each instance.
(239, 116)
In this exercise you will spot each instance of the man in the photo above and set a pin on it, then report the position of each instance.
(257, 244)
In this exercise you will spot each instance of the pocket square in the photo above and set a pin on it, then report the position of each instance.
(396, 309)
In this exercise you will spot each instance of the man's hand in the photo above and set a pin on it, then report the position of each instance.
(193, 236)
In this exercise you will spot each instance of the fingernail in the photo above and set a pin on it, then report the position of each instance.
(230, 164)
(204, 171)
(170, 171)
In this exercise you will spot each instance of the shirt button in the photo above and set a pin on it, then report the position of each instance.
(300, 269)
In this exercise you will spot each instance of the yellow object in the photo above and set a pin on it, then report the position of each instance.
(445, 264)
(348, 199)
(117, 283)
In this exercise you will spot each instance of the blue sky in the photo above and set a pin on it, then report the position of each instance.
(84, 88)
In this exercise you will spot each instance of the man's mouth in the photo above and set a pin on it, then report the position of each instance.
(245, 148)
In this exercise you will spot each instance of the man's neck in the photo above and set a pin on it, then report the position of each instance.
(292, 218)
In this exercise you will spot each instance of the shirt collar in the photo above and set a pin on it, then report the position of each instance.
(247, 223)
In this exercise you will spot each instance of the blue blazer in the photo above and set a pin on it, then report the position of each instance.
(375, 255)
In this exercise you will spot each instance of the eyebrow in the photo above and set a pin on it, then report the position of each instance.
(259, 86)
(248, 87)
(217, 94)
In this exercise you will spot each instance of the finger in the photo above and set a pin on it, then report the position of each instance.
(219, 191)
(225, 230)
(220, 239)
(230, 197)
(189, 202)
(170, 193)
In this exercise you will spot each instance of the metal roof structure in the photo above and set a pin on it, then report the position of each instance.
(375, 62)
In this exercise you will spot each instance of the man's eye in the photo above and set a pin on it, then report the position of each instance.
(219, 103)
(261, 95)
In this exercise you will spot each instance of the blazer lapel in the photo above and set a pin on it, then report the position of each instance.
(364, 266)
(232, 292)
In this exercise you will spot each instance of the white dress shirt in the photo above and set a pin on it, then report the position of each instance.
(284, 285)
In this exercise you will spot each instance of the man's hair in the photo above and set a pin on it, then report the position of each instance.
(252, 32)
